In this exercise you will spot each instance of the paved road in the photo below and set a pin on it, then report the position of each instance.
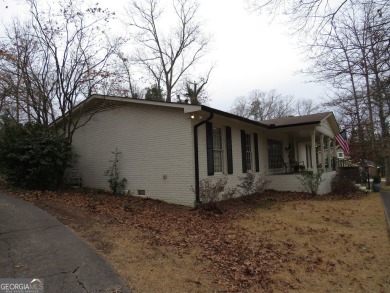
(33, 244)
(386, 204)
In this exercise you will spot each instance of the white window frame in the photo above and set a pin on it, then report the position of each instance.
(248, 153)
(218, 149)
(340, 155)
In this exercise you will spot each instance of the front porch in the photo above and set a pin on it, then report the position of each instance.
(298, 143)
(297, 151)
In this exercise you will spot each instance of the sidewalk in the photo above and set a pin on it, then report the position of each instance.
(33, 244)
(385, 194)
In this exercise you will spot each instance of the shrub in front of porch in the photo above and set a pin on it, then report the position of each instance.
(342, 185)
(310, 181)
(212, 191)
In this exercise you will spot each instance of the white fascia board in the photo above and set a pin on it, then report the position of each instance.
(186, 107)
(324, 130)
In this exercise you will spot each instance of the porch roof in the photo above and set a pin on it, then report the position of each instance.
(297, 120)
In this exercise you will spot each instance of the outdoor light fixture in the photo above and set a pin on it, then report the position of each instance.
(198, 117)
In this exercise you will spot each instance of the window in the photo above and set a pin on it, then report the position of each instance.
(248, 152)
(340, 155)
(217, 150)
(229, 149)
(216, 143)
(275, 154)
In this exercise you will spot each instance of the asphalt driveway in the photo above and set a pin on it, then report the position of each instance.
(386, 204)
(33, 244)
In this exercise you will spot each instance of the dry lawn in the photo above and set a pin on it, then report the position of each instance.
(281, 242)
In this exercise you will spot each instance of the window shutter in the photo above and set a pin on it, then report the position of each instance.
(257, 165)
(229, 149)
(243, 151)
(209, 144)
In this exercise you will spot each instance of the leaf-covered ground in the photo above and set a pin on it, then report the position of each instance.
(279, 242)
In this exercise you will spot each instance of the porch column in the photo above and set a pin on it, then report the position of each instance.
(329, 155)
(333, 145)
(313, 151)
(322, 153)
(296, 153)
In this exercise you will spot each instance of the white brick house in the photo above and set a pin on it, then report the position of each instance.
(166, 148)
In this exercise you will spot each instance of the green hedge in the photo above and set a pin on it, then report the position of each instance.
(33, 156)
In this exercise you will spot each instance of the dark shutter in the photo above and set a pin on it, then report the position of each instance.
(243, 151)
(209, 143)
(229, 150)
(257, 165)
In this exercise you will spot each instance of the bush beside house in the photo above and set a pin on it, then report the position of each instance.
(33, 156)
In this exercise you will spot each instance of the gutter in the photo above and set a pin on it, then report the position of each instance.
(196, 153)
(233, 116)
(273, 126)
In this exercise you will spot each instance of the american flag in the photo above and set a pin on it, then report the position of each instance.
(342, 140)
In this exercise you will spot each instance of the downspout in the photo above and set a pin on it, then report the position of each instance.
(196, 152)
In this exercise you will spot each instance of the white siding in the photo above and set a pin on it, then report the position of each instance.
(236, 127)
(158, 151)
(325, 186)
(155, 143)
(282, 182)
(290, 182)
(285, 182)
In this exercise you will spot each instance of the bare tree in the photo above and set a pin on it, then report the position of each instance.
(260, 105)
(4, 93)
(241, 107)
(349, 46)
(306, 107)
(195, 90)
(126, 84)
(62, 56)
(18, 53)
(310, 15)
(335, 62)
(354, 59)
(168, 54)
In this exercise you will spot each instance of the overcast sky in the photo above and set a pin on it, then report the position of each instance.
(250, 52)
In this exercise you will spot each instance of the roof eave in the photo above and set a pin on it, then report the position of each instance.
(187, 108)
(272, 126)
(232, 116)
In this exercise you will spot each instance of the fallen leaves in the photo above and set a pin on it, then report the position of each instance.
(239, 259)
(236, 260)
